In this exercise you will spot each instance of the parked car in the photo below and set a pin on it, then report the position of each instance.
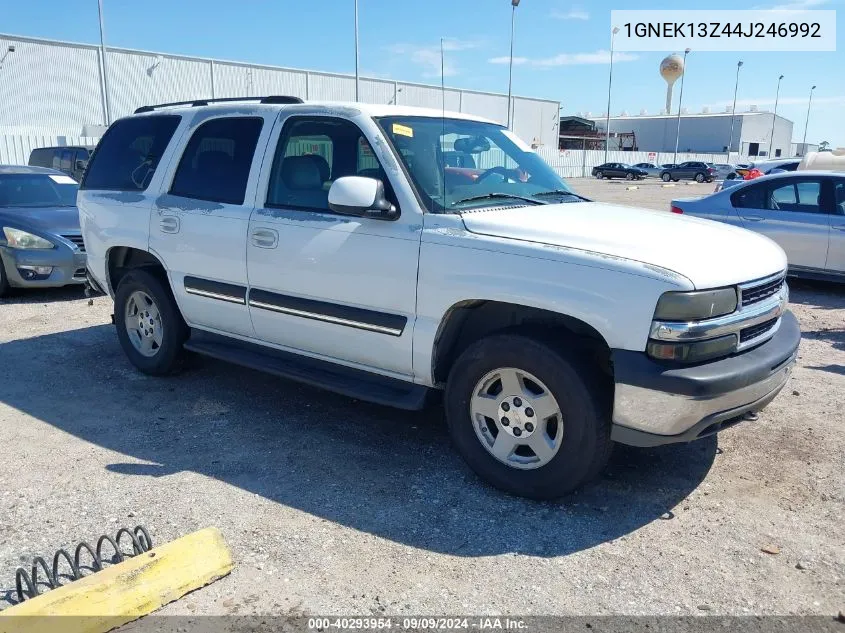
(804, 212)
(618, 170)
(651, 170)
(552, 325)
(40, 242)
(70, 160)
(690, 170)
(723, 170)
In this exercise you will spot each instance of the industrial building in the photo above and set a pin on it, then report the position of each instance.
(702, 133)
(57, 88)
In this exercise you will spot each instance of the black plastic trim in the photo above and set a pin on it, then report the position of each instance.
(347, 381)
(714, 377)
(361, 318)
(207, 287)
(272, 99)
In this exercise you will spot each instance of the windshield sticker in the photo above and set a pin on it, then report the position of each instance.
(63, 180)
(404, 130)
(517, 141)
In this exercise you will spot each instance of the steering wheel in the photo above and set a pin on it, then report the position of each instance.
(504, 172)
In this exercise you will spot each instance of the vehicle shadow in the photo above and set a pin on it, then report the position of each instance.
(823, 295)
(42, 295)
(382, 471)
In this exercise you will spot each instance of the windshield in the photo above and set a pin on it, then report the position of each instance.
(37, 190)
(456, 164)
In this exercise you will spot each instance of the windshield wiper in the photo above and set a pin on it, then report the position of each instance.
(560, 192)
(488, 196)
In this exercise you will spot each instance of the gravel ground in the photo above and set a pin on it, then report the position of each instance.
(336, 506)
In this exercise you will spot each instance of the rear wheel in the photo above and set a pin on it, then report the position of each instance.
(665, 177)
(527, 418)
(150, 327)
(699, 177)
(629, 176)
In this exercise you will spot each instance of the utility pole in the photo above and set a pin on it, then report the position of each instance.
(609, 85)
(680, 103)
(774, 118)
(733, 110)
(514, 5)
(104, 62)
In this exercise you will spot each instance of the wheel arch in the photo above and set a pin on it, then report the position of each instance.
(121, 259)
(468, 321)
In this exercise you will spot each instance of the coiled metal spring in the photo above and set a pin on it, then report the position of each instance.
(141, 542)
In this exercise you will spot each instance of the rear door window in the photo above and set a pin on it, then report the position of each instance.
(753, 197)
(801, 197)
(129, 153)
(216, 163)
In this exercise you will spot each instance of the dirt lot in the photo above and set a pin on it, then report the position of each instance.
(336, 506)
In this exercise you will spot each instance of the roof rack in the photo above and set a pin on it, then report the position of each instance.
(276, 99)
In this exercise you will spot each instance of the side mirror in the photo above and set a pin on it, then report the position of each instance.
(362, 197)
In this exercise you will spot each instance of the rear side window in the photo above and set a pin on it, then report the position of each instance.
(753, 197)
(128, 154)
(215, 165)
(41, 157)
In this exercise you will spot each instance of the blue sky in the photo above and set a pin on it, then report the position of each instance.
(560, 48)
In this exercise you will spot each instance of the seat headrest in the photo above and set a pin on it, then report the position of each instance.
(301, 172)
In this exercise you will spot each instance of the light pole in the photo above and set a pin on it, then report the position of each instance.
(514, 5)
(357, 82)
(774, 118)
(609, 86)
(680, 102)
(106, 100)
(806, 123)
(733, 110)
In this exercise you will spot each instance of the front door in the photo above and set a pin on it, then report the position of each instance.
(792, 213)
(199, 227)
(329, 285)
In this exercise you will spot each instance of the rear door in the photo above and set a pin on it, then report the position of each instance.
(198, 227)
(836, 250)
(792, 213)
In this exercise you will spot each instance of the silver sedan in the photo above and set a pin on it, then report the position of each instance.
(803, 211)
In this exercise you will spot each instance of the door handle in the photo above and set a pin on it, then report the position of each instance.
(169, 224)
(838, 227)
(752, 218)
(265, 238)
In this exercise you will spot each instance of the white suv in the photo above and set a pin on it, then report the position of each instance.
(389, 253)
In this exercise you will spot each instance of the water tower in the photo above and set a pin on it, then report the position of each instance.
(671, 69)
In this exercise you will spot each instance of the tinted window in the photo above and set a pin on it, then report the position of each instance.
(37, 190)
(128, 154)
(839, 197)
(753, 197)
(215, 165)
(802, 196)
(312, 154)
(41, 157)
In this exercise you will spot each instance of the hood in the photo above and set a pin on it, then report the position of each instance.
(58, 220)
(708, 253)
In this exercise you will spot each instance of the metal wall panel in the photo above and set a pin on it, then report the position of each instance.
(50, 85)
(243, 80)
(330, 87)
(494, 107)
(136, 79)
(429, 97)
(379, 91)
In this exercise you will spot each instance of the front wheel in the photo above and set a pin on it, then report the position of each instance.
(526, 418)
(150, 327)
(599, 175)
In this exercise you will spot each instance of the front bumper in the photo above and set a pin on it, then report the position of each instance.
(68, 266)
(655, 404)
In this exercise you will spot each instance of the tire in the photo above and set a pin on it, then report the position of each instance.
(629, 176)
(599, 175)
(581, 429)
(699, 177)
(675, 179)
(665, 177)
(167, 328)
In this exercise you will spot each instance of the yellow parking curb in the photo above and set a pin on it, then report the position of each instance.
(631, 188)
(127, 591)
(672, 184)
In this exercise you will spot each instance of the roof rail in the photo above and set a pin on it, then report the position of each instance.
(277, 99)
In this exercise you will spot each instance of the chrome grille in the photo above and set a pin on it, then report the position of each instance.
(76, 239)
(760, 292)
(752, 332)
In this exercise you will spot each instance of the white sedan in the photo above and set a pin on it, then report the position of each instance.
(804, 212)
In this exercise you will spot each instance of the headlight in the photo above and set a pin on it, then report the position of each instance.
(693, 352)
(695, 306)
(21, 239)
